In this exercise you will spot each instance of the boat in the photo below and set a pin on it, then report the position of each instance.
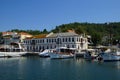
(62, 53)
(14, 49)
(110, 55)
(45, 53)
(90, 54)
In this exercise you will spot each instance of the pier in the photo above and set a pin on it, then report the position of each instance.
(31, 54)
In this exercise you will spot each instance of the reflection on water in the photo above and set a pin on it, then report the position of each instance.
(35, 68)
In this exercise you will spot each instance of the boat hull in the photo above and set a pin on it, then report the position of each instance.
(12, 54)
(60, 56)
(45, 53)
(109, 57)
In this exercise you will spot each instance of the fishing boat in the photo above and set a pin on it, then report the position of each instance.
(15, 49)
(62, 53)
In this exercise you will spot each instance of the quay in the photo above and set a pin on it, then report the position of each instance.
(31, 54)
(79, 55)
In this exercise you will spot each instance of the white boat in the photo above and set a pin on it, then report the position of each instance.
(45, 53)
(90, 54)
(62, 53)
(12, 50)
(113, 55)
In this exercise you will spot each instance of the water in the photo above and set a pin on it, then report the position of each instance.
(35, 68)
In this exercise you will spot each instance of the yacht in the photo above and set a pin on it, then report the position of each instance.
(111, 55)
(15, 49)
(62, 53)
(90, 54)
(45, 53)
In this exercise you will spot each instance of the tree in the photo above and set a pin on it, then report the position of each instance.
(45, 31)
(96, 38)
(79, 30)
(0, 34)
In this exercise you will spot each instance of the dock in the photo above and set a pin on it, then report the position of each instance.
(79, 55)
(31, 54)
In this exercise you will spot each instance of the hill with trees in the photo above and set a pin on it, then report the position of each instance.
(98, 31)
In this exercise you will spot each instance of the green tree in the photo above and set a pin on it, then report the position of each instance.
(45, 31)
(96, 38)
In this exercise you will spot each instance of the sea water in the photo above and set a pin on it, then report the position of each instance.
(36, 68)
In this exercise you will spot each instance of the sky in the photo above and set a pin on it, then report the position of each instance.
(47, 14)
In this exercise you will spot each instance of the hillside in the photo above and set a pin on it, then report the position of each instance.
(96, 30)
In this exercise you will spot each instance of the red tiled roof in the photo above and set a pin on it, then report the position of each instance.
(24, 33)
(7, 33)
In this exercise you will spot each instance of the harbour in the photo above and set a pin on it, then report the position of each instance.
(36, 68)
(59, 40)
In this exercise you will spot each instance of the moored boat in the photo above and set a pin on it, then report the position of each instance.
(13, 50)
(62, 53)
(90, 54)
(45, 53)
(113, 55)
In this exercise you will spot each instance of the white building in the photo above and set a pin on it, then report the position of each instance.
(53, 40)
(15, 37)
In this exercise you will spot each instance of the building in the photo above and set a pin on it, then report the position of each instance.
(53, 40)
(9, 37)
(8, 33)
(24, 35)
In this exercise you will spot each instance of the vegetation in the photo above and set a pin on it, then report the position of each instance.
(32, 32)
(0, 34)
(97, 31)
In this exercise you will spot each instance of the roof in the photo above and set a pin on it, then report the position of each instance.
(24, 33)
(40, 36)
(63, 34)
(7, 33)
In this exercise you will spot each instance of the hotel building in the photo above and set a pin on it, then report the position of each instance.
(53, 40)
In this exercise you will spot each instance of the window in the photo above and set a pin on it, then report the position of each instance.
(73, 40)
(73, 46)
(43, 40)
(79, 39)
(69, 39)
(55, 40)
(52, 40)
(63, 40)
(66, 40)
(47, 40)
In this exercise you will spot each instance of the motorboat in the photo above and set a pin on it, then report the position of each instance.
(110, 55)
(62, 53)
(45, 53)
(90, 54)
(14, 49)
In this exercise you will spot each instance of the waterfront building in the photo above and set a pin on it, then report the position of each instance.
(53, 40)
(9, 37)
(24, 35)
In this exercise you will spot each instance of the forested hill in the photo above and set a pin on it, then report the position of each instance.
(91, 28)
(96, 30)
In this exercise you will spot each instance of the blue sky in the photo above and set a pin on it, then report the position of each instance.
(47, 14)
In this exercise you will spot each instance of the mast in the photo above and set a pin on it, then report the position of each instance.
(110, 34)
